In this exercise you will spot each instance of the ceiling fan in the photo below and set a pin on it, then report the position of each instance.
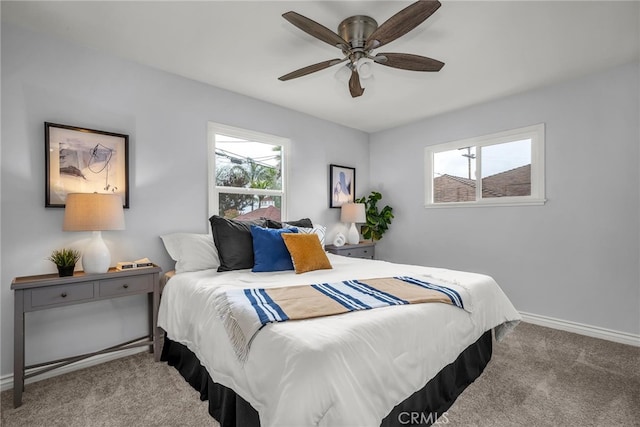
(359, 35)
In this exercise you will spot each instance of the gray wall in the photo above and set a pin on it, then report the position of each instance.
(575, 258)
(166, 116)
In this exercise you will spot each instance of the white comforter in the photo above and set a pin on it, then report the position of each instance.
(346, 370)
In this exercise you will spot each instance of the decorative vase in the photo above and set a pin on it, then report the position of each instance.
(64, 271)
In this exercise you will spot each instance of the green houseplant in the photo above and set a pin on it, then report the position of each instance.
(378, 220)
(65, 259)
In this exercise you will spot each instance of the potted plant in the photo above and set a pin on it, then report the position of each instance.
(377, 220)
(65, 259)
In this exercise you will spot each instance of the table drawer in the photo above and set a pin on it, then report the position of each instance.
(358, 252)
(125, 286)
(61, 294)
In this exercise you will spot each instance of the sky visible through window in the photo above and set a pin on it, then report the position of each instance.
(258, 151)
(495, 159)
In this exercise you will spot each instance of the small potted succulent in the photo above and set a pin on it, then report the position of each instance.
(65, 259)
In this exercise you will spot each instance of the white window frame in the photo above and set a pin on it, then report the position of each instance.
(214, 190)
(535, 133)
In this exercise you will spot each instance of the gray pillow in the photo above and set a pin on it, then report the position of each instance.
(304, 222)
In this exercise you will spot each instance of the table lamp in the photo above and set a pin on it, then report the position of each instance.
(94, 212)
(353, 212)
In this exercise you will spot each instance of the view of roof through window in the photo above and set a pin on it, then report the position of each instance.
(506, 171)
(496, 158)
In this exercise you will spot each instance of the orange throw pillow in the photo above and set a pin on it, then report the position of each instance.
(306, 252)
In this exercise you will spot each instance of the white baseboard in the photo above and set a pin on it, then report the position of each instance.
(582, 329)
(6, 382)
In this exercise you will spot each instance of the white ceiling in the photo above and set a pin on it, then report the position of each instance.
(491, 49)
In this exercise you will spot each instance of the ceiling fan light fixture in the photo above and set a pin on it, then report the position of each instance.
(343, 74)
(365, 68)
(358, 35)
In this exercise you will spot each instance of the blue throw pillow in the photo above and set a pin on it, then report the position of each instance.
(269, 251)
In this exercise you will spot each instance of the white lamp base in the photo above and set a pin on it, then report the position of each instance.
(96, 257)
(353, 237)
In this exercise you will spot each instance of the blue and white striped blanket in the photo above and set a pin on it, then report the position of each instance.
(245, 311)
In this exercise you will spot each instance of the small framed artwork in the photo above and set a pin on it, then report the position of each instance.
(82, 160)
(342, 185)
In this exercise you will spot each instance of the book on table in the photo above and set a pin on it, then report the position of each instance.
(129, 265)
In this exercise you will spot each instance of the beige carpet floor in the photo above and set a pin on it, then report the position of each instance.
(537, 377)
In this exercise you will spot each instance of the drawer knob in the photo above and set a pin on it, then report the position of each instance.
(63, 295)
(125, 286)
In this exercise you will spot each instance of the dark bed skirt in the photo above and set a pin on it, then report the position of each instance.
(423, 407)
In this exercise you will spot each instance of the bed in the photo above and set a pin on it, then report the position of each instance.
(398, 365)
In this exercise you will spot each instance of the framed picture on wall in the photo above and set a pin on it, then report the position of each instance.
(79, 160)
(342, 185)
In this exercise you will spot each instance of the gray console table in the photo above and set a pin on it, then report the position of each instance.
(360, 250)
(33, 293)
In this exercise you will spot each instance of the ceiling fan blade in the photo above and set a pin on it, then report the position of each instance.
(316, 30)
(311, 69)
(354, 85)
(407, 61)
(401, 23)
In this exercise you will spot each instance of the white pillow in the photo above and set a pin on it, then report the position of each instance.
(191, 251)
(320, 230)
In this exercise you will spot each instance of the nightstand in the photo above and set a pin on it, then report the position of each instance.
(33, 293)
(361, 250)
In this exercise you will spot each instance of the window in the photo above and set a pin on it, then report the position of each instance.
(505, 168)
(247, 174)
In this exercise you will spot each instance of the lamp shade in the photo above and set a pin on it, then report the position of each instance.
(353, 212)
(93, 212)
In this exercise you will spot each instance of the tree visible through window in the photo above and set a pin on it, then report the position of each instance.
(248, 173)
(503, 168)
